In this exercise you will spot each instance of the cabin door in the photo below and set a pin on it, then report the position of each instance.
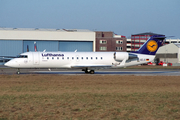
(36, 58)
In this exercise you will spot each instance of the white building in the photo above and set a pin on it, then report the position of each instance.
(14, 41)
(169, 53)
(128, 46)
(172, 41)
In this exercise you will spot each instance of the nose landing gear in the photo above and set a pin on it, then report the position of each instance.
(18, 71)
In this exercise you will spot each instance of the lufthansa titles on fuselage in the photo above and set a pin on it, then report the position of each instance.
(52, 55)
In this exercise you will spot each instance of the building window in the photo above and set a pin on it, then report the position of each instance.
(103, 41)
(142, 36)
(103, 48)
(119, 41)
(119, 48)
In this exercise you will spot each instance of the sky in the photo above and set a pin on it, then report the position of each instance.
(123, 17)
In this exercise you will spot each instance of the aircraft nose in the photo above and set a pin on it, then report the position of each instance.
(10, 63)
(7, 64)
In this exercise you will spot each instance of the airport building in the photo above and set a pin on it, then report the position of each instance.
(137, 40)
(128, 45)
(15, 41)
(169, 53)
(170, 40)
(108, 41)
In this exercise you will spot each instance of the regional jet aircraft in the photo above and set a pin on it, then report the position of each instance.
(88, 61)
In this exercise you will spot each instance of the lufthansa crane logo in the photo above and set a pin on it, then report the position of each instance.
(152, 46)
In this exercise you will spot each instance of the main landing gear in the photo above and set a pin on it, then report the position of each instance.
(88, 71)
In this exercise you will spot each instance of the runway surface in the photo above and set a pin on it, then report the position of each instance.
(137, 72)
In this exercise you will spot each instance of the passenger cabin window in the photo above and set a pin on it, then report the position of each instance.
(86, 57)
(67, 57)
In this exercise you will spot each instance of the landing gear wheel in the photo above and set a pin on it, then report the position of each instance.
(18, 71)
(86, 71)
(92, 72)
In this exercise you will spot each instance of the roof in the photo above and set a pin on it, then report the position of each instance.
(43, 29)
(148, 33)
(177, 44)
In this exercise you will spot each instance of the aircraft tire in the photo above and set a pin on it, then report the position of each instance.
(86, 71)
(92, 72)
(18, 71)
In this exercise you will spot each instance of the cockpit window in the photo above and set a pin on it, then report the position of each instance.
(22, 56)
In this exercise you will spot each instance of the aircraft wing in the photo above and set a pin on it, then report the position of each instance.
(91, 66)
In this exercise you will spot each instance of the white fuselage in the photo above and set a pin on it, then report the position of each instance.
(76, 60)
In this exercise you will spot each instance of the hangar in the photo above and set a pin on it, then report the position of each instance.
(169, 53)
(14, 41)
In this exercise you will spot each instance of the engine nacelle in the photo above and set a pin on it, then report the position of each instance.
(120, 56)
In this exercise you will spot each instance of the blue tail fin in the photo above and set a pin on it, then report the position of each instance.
(151, 46)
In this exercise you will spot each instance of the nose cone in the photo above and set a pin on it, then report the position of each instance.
(7, 64)
(10, 63)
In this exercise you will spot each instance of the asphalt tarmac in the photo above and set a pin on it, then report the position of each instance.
(122, 71)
